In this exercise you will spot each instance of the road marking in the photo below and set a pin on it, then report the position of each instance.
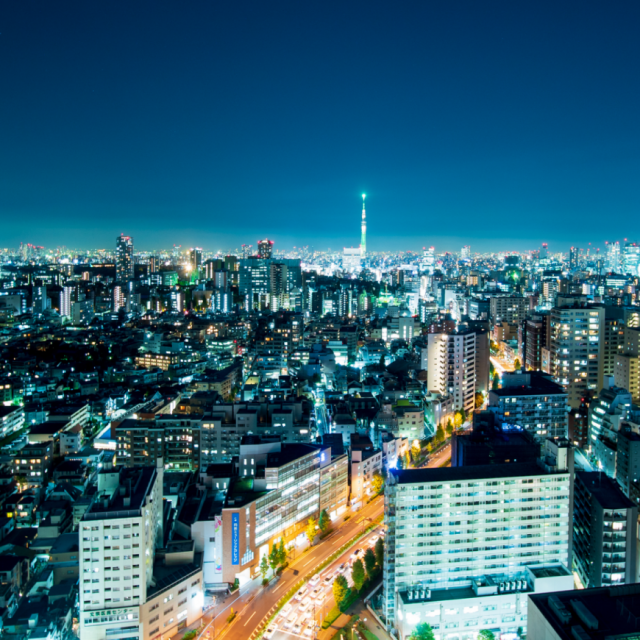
(307, 562)
(251, 616)
(280, 585)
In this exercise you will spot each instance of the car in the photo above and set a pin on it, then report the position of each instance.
(290, 621)
(343, 567)
(321, 596)
(304, 605)
(297, 628)
(301, 594)
(355, 554)
(286, 610)
(310, 628)
(316, 592)
(328, 580)
(314, 580)
(271, 629)
(373, 539)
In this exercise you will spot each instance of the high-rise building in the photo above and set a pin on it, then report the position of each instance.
(452, 367)
(195, 259)
(428, 260)
(65, 300)
(351, 259)
(631, 258)
(627, 459)
(124, 258)
(466, 545)
(576, 349)
(531, 401)
(604, 532)
(363, 236)
(511, 309)
(573, 258)
(465, 252)
(265, 249)
(536, 338)
(612, 261)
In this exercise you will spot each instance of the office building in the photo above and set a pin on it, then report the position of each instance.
(351, 259)
(631, 258)
(195, 259)
(124, 259)
(532, 401)
(604, 613)
(452, 367)
(612, 260)
(265, 249)
(428, 260)
(604, 532)
(450, 562)
(510, 309)
(576, 349)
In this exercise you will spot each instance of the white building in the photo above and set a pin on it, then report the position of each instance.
(466, 545)
(351, 259)
(452, 367)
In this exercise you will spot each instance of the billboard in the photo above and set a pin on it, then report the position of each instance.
(235, 538)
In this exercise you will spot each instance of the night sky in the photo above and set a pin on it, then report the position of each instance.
(209, 123)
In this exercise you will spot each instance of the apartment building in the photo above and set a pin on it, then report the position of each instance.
(576, 348)
(626, 371)
(604, 532)
(532, 401)
(131, 585)
(364, 464)
(452, 367)
(510, 309)
(628, 459)
(32, 464)
(11, 420)
(466, 545)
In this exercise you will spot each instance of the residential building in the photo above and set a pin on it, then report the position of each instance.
(507, 308)
(576, 349)
(604, 532)
(627, 458)
(456, 568)
(532, 401)
(32, 464)
(452, 367)
(536, 338)
(365, 463)
(11, 420)
(124, 259)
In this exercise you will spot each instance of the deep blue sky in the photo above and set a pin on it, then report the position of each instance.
(499, 124)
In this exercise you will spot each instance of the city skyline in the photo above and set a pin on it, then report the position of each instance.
(481, 124)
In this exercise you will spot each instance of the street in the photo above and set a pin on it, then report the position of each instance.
(254, 601)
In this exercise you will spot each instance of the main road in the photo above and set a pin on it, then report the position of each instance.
(253, 602)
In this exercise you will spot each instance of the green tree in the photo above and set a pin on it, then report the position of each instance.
(357, 575)
(370, 561)
(282, 553)
(440, 436)
(382, 359)
(340, 589)
(377, 483)
(486, 634)
(311, 530)
(463, 413)
(324, 522)
(264, 567)
(274, 558)
(496, 383)
(449, 428)
(423, 631)
(379, 551)
(416, 451)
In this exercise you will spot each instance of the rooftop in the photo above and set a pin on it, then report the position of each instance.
(606, 492)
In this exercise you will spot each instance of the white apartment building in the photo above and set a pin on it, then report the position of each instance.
(11, 420)
(452, 367)
(532, 401)
(122, 595)
(576, 349)
(364, 464)
(466, 545)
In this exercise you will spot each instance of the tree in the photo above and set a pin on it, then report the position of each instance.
(517, 364)
(440, 437)
(324, 522)
(457, 420)
(407, 461)
(479, 400)
(449, 428)
(264, 567)
(340, 589)
(282, 553)
(463, 413)
(379, 551)
(370, 561)
(486, 634)
(416, 450)
(357, 575)
(274, 558)
(429, 447)
(423, 631)
(382, 359)
(311, 530)
(496, 383)
(377, 483)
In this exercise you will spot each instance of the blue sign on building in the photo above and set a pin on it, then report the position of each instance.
(235, 538)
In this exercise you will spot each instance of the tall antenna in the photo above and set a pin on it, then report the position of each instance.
(363, 237)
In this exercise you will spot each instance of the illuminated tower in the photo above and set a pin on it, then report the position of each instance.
(124, 259)
(363, 238)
